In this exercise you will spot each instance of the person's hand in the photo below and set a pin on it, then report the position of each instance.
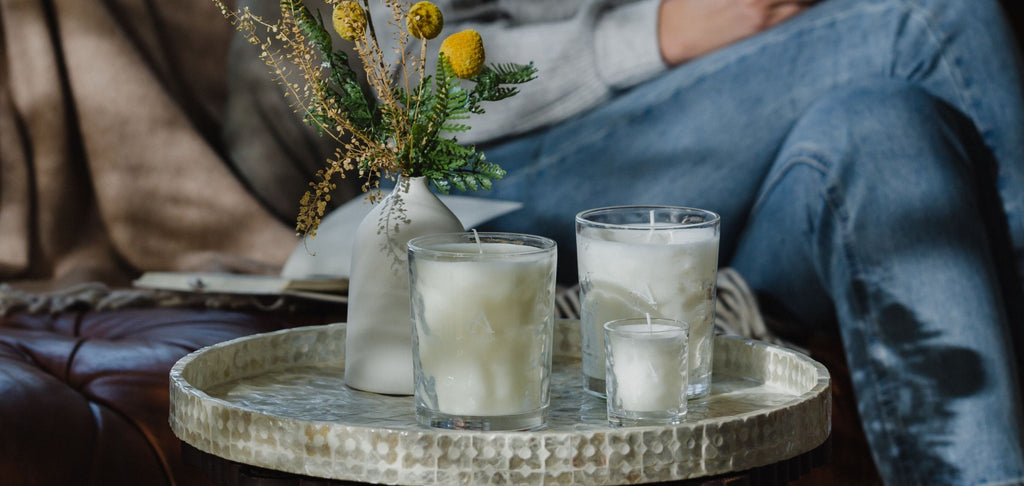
(691, 28)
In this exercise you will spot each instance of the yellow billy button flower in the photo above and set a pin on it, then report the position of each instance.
(424, 20)
(349, 20)
(465, 52)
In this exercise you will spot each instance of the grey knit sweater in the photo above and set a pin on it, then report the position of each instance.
(583, 51)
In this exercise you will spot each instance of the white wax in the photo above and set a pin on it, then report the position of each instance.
(663, 273)
(649, 368)
(484, 331)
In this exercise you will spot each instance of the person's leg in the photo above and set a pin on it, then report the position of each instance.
(873, 203)
(705, 133)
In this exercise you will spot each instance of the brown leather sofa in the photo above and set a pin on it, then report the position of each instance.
(84, 395)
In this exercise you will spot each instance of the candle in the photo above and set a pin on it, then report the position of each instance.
(631, 267)
(646, 369)
(483, 311)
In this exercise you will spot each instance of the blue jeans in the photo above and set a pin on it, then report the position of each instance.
(867, 158)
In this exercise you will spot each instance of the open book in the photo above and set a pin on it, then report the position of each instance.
(317, 268)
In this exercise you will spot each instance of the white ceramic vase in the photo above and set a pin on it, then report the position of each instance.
(378, 344)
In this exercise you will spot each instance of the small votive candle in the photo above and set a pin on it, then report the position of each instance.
(483, 316)
(646, 370)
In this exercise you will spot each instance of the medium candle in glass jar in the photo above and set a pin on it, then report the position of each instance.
(483, 314)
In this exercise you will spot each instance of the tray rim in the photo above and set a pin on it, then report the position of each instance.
(815, 402)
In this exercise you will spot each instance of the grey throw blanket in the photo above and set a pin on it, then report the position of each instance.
(110, 146)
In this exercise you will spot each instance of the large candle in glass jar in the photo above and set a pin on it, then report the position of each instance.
(483, 313)
(657, 261)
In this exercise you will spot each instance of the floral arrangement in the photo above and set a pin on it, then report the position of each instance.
(406, 124)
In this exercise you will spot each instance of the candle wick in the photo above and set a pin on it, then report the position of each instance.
(650, 327)
(479, 247)
(650, 234)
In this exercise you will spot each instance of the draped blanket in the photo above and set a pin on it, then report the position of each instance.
(110, 120)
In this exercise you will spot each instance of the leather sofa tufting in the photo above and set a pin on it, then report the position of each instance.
(84, 395)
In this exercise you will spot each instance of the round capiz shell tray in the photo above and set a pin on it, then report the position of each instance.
(279, 401)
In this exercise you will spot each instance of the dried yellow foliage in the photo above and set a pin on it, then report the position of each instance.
(424, 20)
(465, 52)
(349, 20)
